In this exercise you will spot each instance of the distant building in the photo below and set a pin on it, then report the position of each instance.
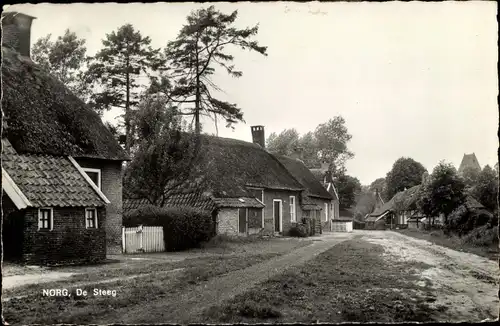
(469, 161)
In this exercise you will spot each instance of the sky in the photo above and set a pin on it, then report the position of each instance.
(411, 79)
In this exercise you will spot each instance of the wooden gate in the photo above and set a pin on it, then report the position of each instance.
(143, 239)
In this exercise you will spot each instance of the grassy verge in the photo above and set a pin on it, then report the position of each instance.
(83, 309)
(453, 242)
(348, 283)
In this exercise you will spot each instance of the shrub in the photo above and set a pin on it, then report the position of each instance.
(299, 230)
(358, 225)
(462, 221)
(482, 236)
(183, 227)
(147, 216)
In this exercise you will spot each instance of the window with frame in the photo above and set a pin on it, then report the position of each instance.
(91, 218)
(293, 212)
(94, 175)
(45, 219)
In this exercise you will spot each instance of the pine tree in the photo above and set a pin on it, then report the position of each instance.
(126, 56)
(199, 47)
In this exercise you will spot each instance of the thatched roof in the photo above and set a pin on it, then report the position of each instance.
(403, 200)
(229, 166)
(43, 117)
(300, 172)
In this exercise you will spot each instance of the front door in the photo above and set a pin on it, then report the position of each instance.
(242, 220)
(277, 215)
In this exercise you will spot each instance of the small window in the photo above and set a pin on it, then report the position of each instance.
(94, 175)
(293, 217)
(45, 219)
(91, 218)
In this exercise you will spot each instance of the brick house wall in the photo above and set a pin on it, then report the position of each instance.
(111, 186)
(227, 221)
(284, 195)
(68, 242)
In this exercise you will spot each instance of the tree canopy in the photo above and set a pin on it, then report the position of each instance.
(405, 173)
(200, 46)
(443, 192)
(65, 59)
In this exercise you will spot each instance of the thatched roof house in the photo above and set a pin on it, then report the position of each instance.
(47, 126)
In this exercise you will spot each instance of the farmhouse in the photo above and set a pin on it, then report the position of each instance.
(61, 166)
(246, 188)
(316, 201)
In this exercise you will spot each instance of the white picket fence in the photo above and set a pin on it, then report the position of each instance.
(143, 239)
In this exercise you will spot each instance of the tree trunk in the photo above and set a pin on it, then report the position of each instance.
(127, 108)
(197, 103)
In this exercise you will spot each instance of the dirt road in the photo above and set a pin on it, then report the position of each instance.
(465, 283)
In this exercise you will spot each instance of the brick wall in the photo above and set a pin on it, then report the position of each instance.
(111, 186)
(68, 242)
(269, 196)
(227, 221)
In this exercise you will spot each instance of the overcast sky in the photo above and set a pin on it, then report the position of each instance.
(411, 79)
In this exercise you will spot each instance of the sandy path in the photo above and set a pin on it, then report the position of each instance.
(224, 287)
(465, 283)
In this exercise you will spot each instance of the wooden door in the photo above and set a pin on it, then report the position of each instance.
(242, 220)
(277, 215)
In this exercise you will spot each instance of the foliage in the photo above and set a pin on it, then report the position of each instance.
(164, 158)
(332, 138)
(347, 187)
(328, 143)
(65, 59)
(283, 143)
(380, 185)
(201, 44)
(485, 190)
(471, 176)
(125, 57)
(365, 204)
(405, 173)
(298, 230)
(183, 228)
(443, 192)
(482, 236)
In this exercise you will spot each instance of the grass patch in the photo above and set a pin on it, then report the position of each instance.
(141, 291)
(453, 242)
(348, 283)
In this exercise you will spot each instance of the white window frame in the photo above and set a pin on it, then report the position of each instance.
(95, 215)
(326, 212)
(293, 210)
(281, 215)
(98, 171)
(51, 218)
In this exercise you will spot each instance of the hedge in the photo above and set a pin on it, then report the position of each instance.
(299, 230)
(183, 227)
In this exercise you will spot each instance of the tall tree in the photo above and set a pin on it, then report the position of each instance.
(125, 57)
(442, 193)
(283, 143)
(486, 188)
(332, 138)
(405, 173)
(201, 46)
(166, 152)
(65, 59)
(348, 188)
(471, 176)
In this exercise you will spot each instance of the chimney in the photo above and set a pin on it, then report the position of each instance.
(297, 153)
(16, 32)
(328, 177)
(258, 136)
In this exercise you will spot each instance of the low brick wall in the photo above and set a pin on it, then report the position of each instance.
(68, 242)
